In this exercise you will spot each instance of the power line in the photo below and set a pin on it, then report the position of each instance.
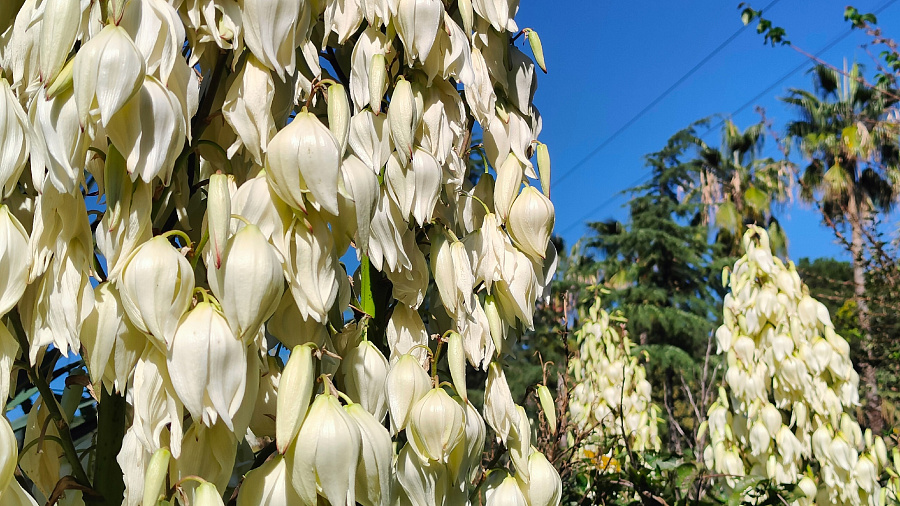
(721, 122)
(655, 101)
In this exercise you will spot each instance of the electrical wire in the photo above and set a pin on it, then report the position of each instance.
(645, 178)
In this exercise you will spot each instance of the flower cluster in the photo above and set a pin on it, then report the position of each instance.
(611, 396)
(785, 412)
(237, 150)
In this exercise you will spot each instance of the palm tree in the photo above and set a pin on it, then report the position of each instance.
(736, 187)
(844, 131)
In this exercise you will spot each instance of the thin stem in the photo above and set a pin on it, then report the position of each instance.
(33, 442)
(56, 415)
(179, 233)
(198, 251)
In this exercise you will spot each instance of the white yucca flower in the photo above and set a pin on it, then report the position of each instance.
(183, 182)
(790, 388)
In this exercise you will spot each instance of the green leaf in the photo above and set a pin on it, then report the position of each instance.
(757, 199)
(850, 137)
(727, 217)
(742, 486)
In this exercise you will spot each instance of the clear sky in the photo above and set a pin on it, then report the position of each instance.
(608, 60)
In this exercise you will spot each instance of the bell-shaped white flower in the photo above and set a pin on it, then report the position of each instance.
(417, 24)
(273, 30)
(499, 409)
(362, 185)
(364, 371)
(149, 130)
(202, 361)
(406, 333)
(530, 222)
(437, 424)
(60, 142)
(126, 222)
(304, 157)
(370, 139)
(109, 70)
(248, 109)
(544, 486)
(422, 483)
(407, 382)
(386, 250)
(312, 267)
(15, 139)
(453, 275)
(507, 493)
(364, 69)
(296, 383)
(250, 282)
(268, 485)
(156, 286)
(373, 476)
(9, 453)
(14, 258)
(326, 453)
(155, 402)
(499, 13)
(157, 32)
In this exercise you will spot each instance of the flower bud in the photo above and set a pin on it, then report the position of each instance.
(249, 283)
(202, 361)
(509, 180)
(436, 426)
(530, 222)
(456, 359)
(296, 386)
(156, 286)
(304, 157)
(547, 406)
(207, 495)
(326, 453)
(373, 476)
(543, 159)
(364, 371)
(109, 70)
(155, 476)
(406, 384)
(534, 40)
(218, 216)
(403, 118)
(378, 82)
(339, 115)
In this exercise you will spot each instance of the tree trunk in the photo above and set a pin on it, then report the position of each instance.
(857, 215)
(669, 401)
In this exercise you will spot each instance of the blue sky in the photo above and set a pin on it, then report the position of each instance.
(608, 60)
